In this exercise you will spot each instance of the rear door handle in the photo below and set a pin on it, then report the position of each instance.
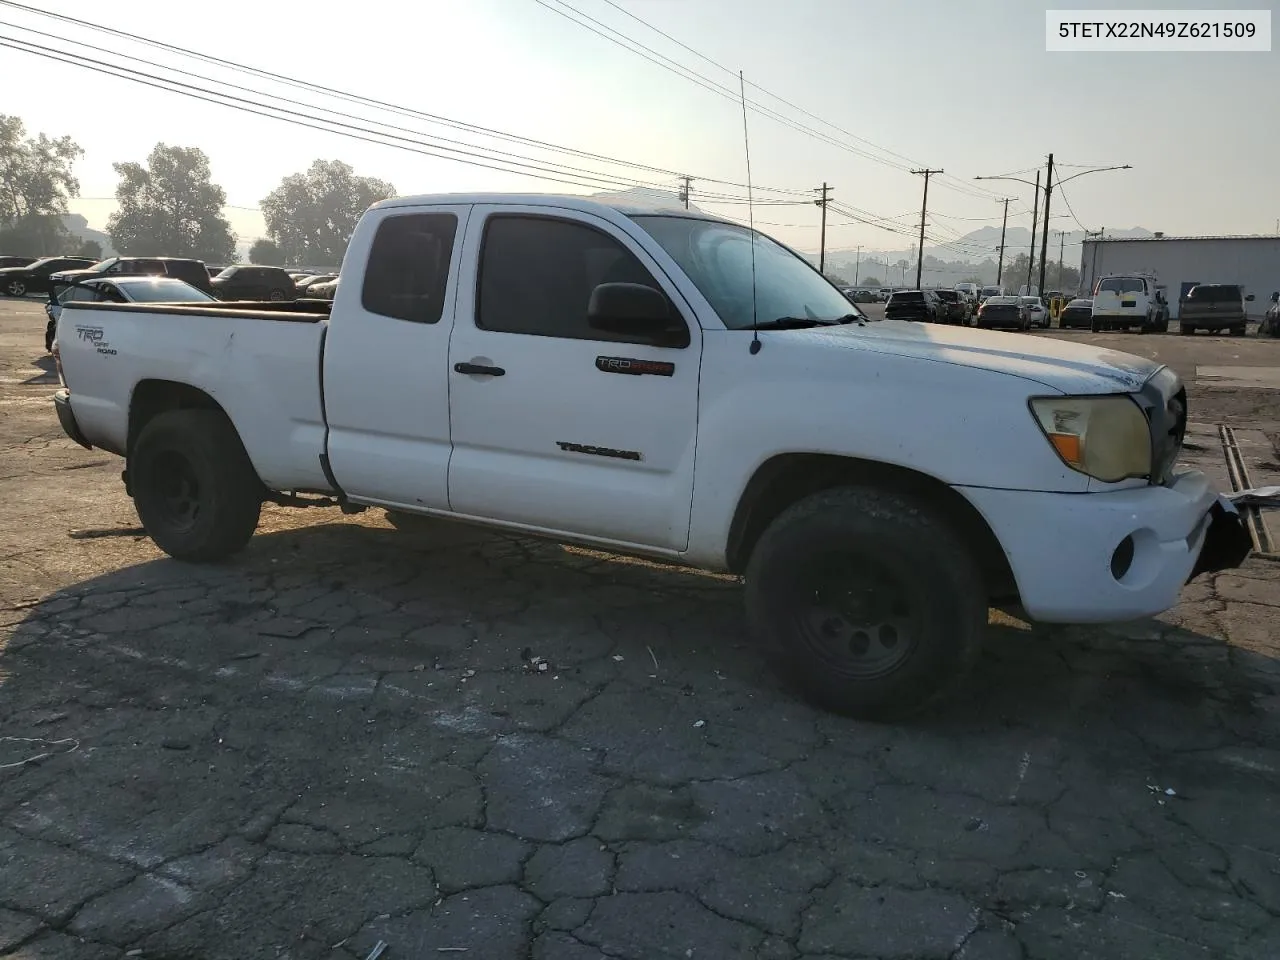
(478, 368)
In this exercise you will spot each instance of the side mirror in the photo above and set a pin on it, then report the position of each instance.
(1249, 297)
(635, 310)
(1275, 298)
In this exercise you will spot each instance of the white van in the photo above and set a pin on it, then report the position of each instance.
(1123, 301)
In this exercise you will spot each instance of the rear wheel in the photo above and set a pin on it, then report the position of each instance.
(15, 288)
(867, 601)
(195, 491)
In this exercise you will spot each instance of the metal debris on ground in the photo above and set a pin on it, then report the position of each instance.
(377, 950)
(1256, 497)
(699, 723)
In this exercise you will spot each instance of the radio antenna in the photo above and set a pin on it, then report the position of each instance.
(751, 218)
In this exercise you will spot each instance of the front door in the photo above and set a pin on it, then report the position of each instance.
(557, 426)
(386, 374)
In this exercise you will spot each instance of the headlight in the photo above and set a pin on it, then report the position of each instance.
(1106, 437)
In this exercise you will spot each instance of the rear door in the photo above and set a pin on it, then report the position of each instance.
(580, 432)
(386, 373)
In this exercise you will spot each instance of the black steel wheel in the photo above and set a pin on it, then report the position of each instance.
(194, 488)
(867, 601)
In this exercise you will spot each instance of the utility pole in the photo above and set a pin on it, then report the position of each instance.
(924, 209)
(1004, 224)
(684, 190)
(1035, 212)
(857, 267)
(1062, 246)
(1044, 240)
(822, 253)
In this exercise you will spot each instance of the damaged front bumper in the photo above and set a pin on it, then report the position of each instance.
(1227, 540)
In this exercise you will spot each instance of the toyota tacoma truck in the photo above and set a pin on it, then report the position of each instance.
(675, 386)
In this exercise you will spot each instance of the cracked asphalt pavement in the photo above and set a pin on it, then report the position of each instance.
(347, 736)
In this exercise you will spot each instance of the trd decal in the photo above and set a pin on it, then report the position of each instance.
(635, 368)
(599, 451)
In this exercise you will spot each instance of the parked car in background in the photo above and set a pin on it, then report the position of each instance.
(252, 282)
(861, 295)
(1076, 315)
(306, 283)
(1270, 326)
(118, 290)
(1037, 312)
(189, 271)
(921, 305)
(987, 292)
(34, 277)
(323, 291)
(1122, 302)
(1003, 313)
(7, 262)
(954, 306)
(1214, 307)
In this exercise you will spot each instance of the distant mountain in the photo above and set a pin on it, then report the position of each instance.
(79, 226)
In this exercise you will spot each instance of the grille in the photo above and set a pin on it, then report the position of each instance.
(1164, 401)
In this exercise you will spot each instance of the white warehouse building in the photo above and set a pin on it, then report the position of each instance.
(1179, 263)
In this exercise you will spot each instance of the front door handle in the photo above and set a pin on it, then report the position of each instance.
(478, 368)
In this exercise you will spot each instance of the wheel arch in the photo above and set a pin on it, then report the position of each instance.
(787, 478)
(153, 397)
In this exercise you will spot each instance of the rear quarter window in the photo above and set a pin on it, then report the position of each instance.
(408, 268)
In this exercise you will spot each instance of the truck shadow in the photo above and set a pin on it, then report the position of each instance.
(351, 599)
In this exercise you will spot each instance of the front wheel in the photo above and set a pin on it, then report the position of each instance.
(194, 488)
(867, 601)
(15, 288)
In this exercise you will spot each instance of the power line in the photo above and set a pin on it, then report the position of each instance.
(1067, 202)
(659, 59)
(350, 131)
(355, 98)
(959, 185)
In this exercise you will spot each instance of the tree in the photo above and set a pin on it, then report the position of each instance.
(265, 251)
(171, 207)
(36, 181)
(311, 215)
(973, 278)
(838, 280)
(90, 248)
(872, 282)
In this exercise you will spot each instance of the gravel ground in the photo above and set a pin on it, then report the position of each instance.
(339, 738)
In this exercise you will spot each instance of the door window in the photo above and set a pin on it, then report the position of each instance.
(537, 275)
(408, 269)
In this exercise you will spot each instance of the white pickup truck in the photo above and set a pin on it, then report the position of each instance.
(668, 385)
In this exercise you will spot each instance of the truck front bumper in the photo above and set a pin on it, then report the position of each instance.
(67, 418)
(1113, 556)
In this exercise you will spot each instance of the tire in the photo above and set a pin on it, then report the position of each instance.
(50, 332)
(1095, 326)
(276, 296)
(1240, 331)
(862, 653)
(195, 491)
(15, 288)
(1186, 329)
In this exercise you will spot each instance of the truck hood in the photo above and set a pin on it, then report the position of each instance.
(1058, 364)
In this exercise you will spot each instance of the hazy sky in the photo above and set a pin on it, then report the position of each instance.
(967, 87)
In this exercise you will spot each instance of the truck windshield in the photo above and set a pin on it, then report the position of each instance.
(717, 258)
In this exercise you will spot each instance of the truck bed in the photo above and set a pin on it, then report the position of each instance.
(232, 352)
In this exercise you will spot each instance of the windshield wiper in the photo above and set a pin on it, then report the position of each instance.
(796, 323)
